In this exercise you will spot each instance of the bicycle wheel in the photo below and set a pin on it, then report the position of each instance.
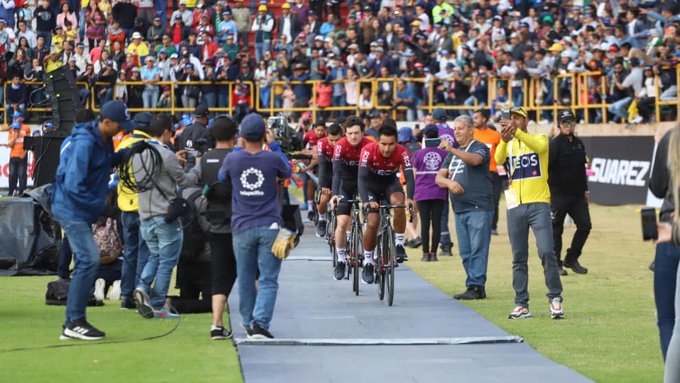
(330, 236)
(380, 269)
(354, 238)
(391, 262)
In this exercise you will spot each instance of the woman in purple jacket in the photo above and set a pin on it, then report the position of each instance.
(428, 195)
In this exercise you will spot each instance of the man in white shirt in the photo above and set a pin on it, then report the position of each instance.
(184, 13)
(27, 33)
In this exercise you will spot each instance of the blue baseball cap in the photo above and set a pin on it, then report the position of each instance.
(116, 111)
(405, 135)
(252, 127)
(143, 120)
(16, 125)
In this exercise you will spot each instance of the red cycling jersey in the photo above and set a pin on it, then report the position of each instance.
(324, 149)
(347, 154)
(311, 138)
(372, 159)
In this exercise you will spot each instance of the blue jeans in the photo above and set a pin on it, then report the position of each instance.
(260, 48)
(445, 236)
(150, 97)
(253, 252)
(86, 256)
(517, 96)
(265, 96)
(165, 243)
(135, 254)
(210, 100)
(665, 270)
(473, 229)
(620, 108)
(537, 217)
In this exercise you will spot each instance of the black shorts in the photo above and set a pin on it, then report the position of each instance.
(348, 191)
(380, 189)
(223, 263)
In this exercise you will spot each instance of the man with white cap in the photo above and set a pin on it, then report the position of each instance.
(138, 48)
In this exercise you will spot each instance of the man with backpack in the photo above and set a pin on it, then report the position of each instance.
(218, 215)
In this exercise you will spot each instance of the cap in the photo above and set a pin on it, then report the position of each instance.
(353, 46)
(117, 112)
(226, 12)
(262, 8)
(405, 134)
(514, 35)
(374, 114)
(450, 65)
(253, 127)
(565, 115)
(136, 35)
(201, 111)
(73, 58)
(285, 6)
(557, 47)
(439, 114)
(524, 24)
(318, 38)
(156, 18)
(426, 69)
(16, 125)
(444, 52)
(3, 21)
(518, 110)
(498, 17)
(306, 116)
(328, 39)
(178, 16)
(565, 54)
(189, 66)
(142, 119)
(80, 45)
(174, 56)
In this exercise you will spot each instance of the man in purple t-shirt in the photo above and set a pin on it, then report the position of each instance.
(445, 133)
(429, 196)
(255, 222)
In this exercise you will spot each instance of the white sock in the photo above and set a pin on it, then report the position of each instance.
(322, 217)
(348, 235)
(342, 254)
(368, 257)
(399, 238)
(310, 205)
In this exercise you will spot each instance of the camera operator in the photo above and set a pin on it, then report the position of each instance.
(196, 138)
(568, 191)
(161, 231)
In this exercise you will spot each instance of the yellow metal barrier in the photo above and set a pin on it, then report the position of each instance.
(584, 87)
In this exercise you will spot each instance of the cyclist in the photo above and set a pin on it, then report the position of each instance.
(325, 148)
(344, 185)
(378, 181)
(445, 133)
(311, 139)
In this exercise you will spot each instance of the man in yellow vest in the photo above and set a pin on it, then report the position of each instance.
(528, 201)
(135, 251)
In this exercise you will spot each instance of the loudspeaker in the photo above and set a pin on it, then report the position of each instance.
(46, 153)
(60, 87)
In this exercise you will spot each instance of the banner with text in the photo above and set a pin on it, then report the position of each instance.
(621, 168)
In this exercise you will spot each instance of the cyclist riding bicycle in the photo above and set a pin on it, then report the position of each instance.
(325, 148)
(378, 181)
(311, 139)
(344, 185)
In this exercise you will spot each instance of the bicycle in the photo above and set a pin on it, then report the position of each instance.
(330, 237)
(355, 254)
(386, 252)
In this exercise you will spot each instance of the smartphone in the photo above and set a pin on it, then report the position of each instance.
(505, 114)
(432, 142)
(649, 231)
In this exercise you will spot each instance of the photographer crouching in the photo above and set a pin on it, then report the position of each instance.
(157, 173)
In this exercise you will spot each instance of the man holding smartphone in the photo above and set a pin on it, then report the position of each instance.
(568, 191)
(528, 201)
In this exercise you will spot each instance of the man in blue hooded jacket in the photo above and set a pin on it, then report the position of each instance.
(80, 187)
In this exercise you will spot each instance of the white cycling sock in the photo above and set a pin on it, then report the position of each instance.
(322, 217)
(399, 238)
(348, 235)
(310, 205)
(342, 254)
(368, 257)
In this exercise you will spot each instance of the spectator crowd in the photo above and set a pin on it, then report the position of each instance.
(458, 53)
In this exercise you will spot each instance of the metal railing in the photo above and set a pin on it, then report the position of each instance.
(582, 88)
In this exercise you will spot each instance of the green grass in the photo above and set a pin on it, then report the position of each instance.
(609, 333)
(187, 355)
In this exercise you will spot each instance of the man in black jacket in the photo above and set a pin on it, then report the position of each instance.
(46, 20)
(569, 191)
(196, 137)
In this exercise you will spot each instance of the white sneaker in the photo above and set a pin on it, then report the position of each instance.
(556, 311)
(114, 292)
(99, 286)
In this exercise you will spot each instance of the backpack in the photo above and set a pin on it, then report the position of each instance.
(107, 238)
(193, 244)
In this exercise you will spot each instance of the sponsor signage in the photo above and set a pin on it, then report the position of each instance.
(621, 167)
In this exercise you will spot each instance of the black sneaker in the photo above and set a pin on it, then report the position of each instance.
(142, 304)
(415, 243)
(219, 333)
(321, 229)
(311, 215)
(127, 304)
(257, 332)
(401, 254)
(472, 292)
(576, 267)
(446, 251)
(81, 330)
(367, 276)
(339, 272)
